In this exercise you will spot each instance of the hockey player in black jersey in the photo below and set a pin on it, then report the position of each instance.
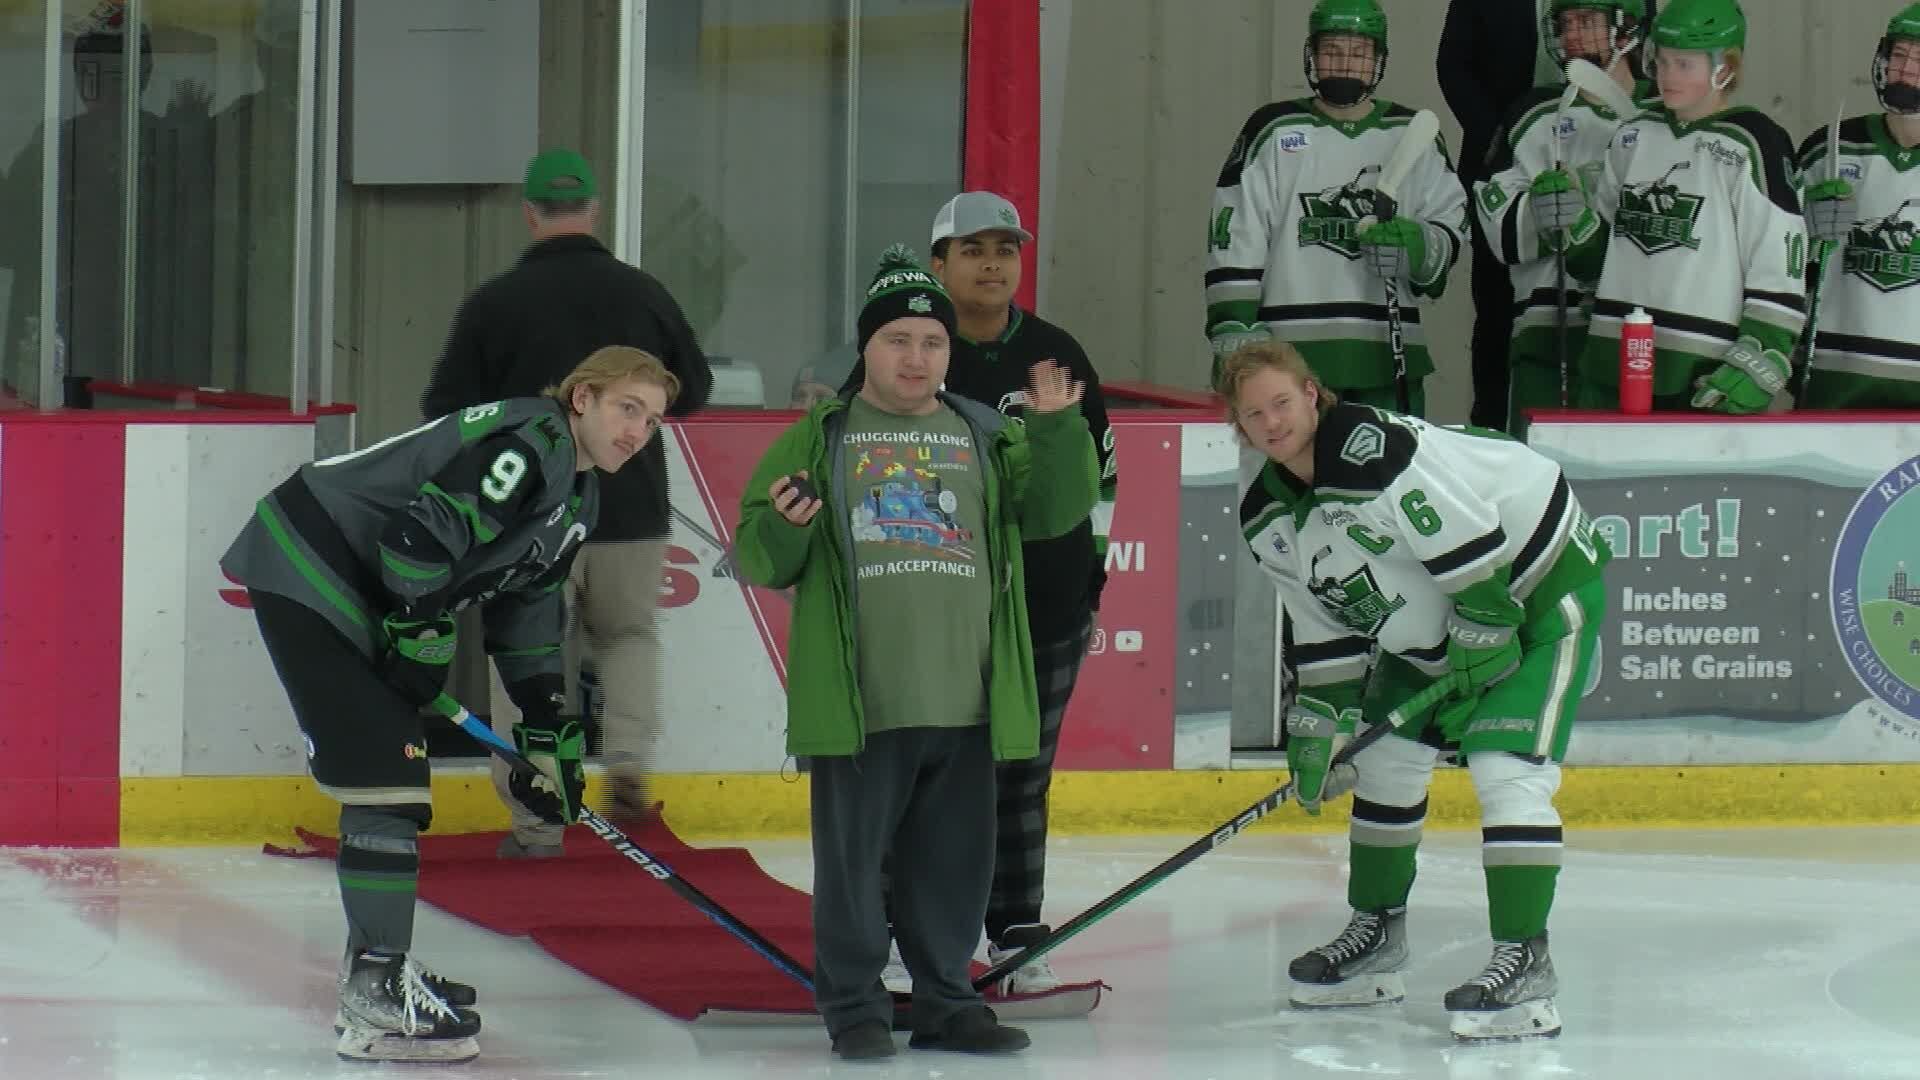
(356, 566)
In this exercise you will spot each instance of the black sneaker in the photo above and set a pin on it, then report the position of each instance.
(972, 1030)
(865, 1041)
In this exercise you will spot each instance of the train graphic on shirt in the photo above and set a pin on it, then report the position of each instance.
(903, 512)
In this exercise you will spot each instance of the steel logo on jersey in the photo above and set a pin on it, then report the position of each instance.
(1884, 252)
(1876, 604)
(1330, 218)
(1657, 216)
(1355, 601)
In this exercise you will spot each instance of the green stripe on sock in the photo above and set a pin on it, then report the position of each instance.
(379, 883)
(1518, 899)
(1381, 877)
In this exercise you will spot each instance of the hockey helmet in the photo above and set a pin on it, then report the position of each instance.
(1899, 98)
(1362, 18)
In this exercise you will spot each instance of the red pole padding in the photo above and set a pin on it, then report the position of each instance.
(1002, 123)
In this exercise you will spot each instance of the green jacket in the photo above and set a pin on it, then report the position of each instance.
(1041, 480)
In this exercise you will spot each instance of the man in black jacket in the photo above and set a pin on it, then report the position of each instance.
(1491, 55)
(522, 332)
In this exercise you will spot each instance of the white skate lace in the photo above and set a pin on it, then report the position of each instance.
(419, 999)
(1508, 958)
(1354, 939)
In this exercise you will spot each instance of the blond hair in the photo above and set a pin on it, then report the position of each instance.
(615, 363)
(1255, 357)
(1735, 60)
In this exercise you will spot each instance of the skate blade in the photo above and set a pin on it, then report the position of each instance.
(374, 1044)
(1361, 991)
(1527, 1020)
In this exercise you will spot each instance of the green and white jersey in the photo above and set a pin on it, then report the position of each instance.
(1404, 520)
(1706, 236)
(485, 506)
(1869, 309)
(1283, 247)
(1530, 143)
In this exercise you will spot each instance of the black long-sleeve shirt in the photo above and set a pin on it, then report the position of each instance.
(526, 329)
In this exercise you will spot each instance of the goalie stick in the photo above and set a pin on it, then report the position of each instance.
(1419, 135)
(1441, 689)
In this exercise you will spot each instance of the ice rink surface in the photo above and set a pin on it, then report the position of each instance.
(1759, 954)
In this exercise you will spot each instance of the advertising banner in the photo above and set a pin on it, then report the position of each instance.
(1764, 597)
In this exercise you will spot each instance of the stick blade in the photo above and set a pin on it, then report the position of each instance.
(1600, 86)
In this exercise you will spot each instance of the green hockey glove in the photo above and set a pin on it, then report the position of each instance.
(1832, 211)
(1480, 653)
(556, 788)
(1315, 733)
(1561, 215)
(1227, 338)
(420, 650)
(1395, 249)
(1746, 380)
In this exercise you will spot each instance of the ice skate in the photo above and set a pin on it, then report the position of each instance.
(391, 1013)
(1511, 999)
(457, 994)
(1033, 977)
(1362, 966)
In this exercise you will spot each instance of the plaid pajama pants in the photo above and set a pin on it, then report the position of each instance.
(1020, 849)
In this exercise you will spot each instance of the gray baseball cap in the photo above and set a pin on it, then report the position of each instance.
(973, 212)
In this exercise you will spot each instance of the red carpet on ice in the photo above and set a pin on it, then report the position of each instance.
(602, 915)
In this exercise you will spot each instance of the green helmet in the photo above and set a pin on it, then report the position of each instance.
(1362, 17)
(1700, 25)
(1906, 24)
(1899, 98)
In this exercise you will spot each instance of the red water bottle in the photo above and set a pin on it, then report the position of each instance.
(1636, 363)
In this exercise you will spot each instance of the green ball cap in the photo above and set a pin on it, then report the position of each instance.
(559, 174)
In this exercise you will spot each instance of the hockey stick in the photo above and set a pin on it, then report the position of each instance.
(1803, 349)
(624, 844)
(723, 564)
(1600, 86)
(1560, 260)
(1441, 689)
(1421, 131)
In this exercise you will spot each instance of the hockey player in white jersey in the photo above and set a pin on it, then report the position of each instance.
(1537, 139)
(1697, 219)
(1290, 253)
(1865, 203)
(1427, 552)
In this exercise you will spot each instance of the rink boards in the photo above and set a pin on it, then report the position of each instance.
(1756, 665)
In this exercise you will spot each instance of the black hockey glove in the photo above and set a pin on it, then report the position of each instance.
(554, 745)
(419, 652)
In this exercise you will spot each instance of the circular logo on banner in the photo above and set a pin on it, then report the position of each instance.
(1875, 589)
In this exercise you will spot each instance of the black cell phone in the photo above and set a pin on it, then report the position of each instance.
(802, 490)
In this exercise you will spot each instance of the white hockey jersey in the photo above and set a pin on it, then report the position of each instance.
(1403, 520)
(1869, 310)
(1282, 241)
(1706, 236)
(1530, 143)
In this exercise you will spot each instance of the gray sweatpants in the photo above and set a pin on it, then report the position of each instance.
(923, 799)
